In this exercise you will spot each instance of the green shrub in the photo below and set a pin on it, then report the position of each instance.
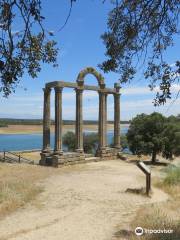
(3, 125)
(69, 140)
(90, 142)
(124, 142)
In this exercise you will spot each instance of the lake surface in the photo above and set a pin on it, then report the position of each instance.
(18, 142)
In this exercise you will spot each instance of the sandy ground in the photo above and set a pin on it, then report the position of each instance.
(81, 202)
(25, 129)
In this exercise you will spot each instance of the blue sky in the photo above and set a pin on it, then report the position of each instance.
(80, 46)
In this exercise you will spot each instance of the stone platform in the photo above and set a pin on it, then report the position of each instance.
(69, 158)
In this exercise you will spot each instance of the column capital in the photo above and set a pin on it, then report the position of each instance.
(117, 87)
(101, 92)
(58, 89)
(79, 90)
(47, 90)
(117, 94)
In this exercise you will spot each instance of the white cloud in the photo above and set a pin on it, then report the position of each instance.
(137, 101)
(135, 91)
(146, 90)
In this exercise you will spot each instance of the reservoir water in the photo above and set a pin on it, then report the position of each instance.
(17, 142)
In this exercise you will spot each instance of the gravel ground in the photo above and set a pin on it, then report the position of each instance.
(81, 202)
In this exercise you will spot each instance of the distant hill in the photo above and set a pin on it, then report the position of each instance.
(11, 121)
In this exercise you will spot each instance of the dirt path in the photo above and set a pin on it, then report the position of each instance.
(82, 202)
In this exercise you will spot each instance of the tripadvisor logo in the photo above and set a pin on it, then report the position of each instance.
(139, 231)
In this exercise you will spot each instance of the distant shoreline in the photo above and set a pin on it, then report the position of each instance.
(35, 129)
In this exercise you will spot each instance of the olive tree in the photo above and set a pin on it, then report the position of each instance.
(145, 134)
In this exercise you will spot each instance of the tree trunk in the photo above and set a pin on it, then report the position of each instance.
(154, 156)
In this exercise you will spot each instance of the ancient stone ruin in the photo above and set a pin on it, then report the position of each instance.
(57, 156)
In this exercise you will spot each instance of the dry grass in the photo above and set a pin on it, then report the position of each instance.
(154, 217)
(164, 215)
(15, 195)
(35, 155)
(18, 185)
(171, 182)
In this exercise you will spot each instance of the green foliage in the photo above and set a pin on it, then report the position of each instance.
(3, 125)
(9, 121)
(13, 121)
(69, 140)
(145, 134)
(124, 142)
(153, 134)
(90, 142)
(23, 50)
(138, 33)
(171, 139)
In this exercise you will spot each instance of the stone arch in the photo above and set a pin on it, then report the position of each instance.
(90, 70)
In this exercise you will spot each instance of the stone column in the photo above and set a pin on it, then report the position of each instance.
(79, 121)
(46, 120)
(106, 122)
(58, 120)
(117, 120)
(102, 120)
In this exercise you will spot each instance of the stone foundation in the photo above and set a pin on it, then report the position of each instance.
(107, 153)
(56, 160)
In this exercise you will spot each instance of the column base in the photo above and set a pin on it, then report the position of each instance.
(101, 152)
(58, 152)
(44, 158)
(118, 147)
(47, 150)
(80, 151)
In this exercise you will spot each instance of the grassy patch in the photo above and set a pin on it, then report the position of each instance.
(155, 218)
(173, 176)
(16, 194)
(18, 185)
(171, 183)
(164, 215)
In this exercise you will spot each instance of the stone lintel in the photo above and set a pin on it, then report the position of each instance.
(63, 84)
